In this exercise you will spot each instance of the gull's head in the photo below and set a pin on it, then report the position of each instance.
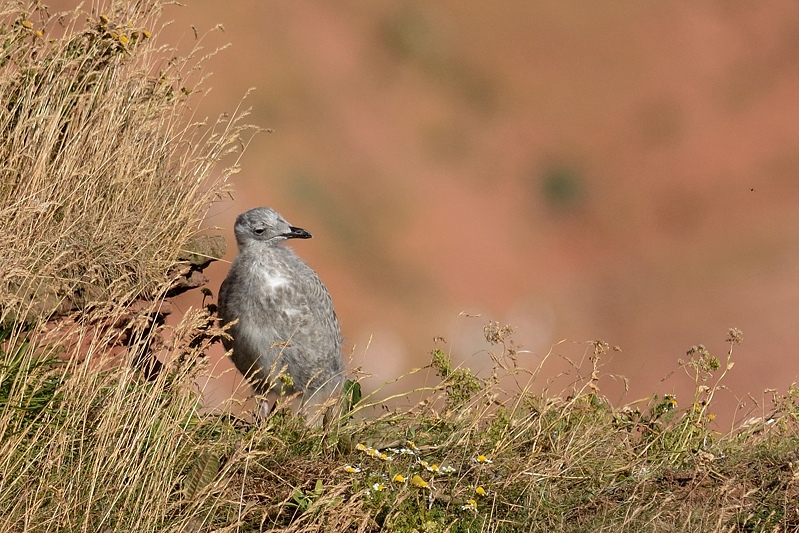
(265, 225)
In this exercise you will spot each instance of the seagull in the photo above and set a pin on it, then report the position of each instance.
(285, 337)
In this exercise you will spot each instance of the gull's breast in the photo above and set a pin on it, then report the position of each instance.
(275, 281)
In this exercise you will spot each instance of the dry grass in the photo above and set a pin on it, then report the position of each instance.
(102, 177)
(102, 183)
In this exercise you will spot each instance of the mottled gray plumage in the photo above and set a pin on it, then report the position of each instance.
(285, 314)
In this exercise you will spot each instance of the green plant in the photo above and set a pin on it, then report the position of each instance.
(30, 382)
(303, 499)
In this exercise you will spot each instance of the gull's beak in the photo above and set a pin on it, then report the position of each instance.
(297, 233)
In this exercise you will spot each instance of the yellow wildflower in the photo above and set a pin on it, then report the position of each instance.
(480, 491)
(399, 478)
(417, 481)
(470, 505)
(671, 400)
(371, 452)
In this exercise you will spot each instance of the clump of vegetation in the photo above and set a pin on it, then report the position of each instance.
(105, 178)
(511, 459)
(103, 182)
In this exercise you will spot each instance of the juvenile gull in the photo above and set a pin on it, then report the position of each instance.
(285, 314)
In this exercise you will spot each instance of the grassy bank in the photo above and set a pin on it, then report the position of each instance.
(105, 179)
(109, 451)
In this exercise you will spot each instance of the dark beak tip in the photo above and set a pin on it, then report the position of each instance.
(299, 233)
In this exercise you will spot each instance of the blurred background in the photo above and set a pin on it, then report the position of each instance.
(625, 172)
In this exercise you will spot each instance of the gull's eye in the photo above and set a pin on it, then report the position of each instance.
(258, 231)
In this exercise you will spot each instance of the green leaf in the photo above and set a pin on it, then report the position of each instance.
(202, 473)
